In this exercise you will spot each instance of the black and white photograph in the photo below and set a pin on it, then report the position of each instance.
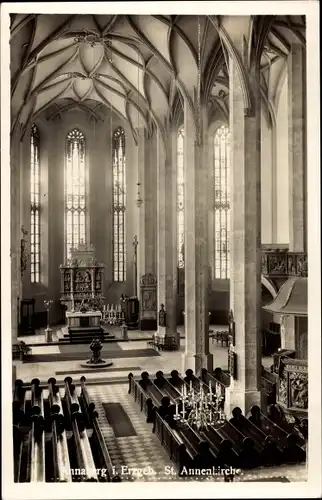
(160, 291)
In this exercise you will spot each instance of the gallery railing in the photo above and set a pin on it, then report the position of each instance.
(284, 264)
(275, 264)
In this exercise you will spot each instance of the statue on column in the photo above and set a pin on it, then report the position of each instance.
(162, 316)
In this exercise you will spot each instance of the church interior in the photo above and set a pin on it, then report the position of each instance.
(159, 247)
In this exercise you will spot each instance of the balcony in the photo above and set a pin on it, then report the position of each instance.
(278, 264)
(284, 264)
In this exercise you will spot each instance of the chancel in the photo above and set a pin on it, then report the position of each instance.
(159, 173)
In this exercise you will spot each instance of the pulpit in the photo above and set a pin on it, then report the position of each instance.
(292, 386)
(81, 278)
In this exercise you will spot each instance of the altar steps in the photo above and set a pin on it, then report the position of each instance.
(81, 337)
(85, 338)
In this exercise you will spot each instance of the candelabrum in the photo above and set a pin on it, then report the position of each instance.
(48, 331)
(199, 408)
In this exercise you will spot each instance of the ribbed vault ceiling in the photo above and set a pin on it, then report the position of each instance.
(138, 66)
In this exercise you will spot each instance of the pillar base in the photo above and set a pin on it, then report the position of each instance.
(165, 332)
(244, 400)
(196, 362)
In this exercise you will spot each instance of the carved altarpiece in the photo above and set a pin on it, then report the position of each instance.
(81, 278)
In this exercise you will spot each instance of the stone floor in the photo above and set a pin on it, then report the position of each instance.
(166, 362)
(103, 384)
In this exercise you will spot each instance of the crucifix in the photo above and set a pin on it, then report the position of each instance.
(135, 262)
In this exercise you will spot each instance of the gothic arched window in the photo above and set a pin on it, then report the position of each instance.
(180, 197)
(222, 202)
(34, 205)
(75, 190)
(119, 205)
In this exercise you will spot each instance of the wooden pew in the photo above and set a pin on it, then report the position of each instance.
(102, 455)
(37, 435)
(18, 438)
(266, 446)
(147, 403)
(153, 392)
(61, 463)
(83, 451)
(19, 402)
(292, 451)
(222, 376)
(277, 415)
(164, 384)
(219, 387)
(244, 446)
(268, 383)
(170, 438)
(193, 437)
(224, 448)
(20, 427)
(172, 442)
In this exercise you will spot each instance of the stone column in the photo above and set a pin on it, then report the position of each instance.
(166, 237)
(15, 234)
(211, 211)
(274, 185)
(297, 148)
(142, 232)
(245, 275)
(147, 212)
(196, 319)
(297, 167)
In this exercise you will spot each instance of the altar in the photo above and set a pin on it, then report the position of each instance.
(80, 320)
(82, 294)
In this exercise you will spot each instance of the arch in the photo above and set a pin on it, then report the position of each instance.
(269, 286)
(241, 70)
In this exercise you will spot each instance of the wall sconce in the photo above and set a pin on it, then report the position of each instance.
(139, 200)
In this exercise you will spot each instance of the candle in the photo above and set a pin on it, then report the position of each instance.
(183, 410)
(177, 410)
(184, 390)
(210, 391)
(190, 385)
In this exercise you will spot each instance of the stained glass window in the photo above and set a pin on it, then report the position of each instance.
(119, 205)
(34, 205)
(222, 202)
(180, 197)
(75, 190)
